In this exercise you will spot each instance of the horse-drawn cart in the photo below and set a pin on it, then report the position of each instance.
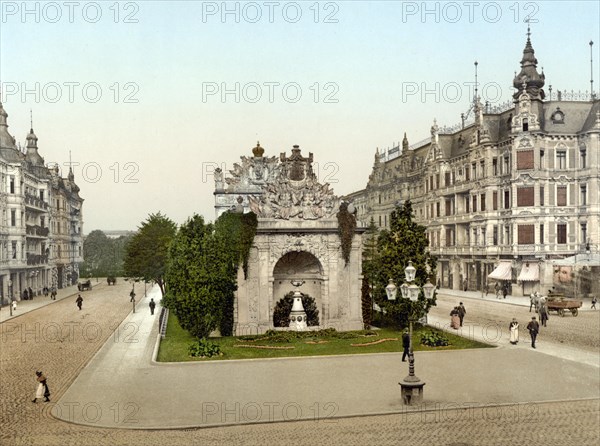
(563, 304)
(82, 286)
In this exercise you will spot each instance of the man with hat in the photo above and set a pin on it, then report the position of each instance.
(533, 328)
(405, 344)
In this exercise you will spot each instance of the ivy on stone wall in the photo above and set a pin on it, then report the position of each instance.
(346, 229)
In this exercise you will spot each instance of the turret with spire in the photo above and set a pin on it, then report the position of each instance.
(32, 149)
(529, 80)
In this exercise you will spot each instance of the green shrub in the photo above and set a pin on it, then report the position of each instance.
(204, 349)
(434, 339)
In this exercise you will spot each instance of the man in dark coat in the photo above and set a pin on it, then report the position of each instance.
(533, 328)
(152, 305)
(461, 312)
(132, 296)
(79, 301)
(405, 345)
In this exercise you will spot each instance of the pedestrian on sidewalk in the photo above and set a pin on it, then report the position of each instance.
(461, 312)
(514, 331)
(53, 293)
(505, 290)
(132, 296)
(543, 312)
(42, 390)
(487, 288)
(30, 293)
(45, 291)
(405, 344)
(152, 305)
(79, 301)
(455, 318)
(14, 304)
(594, 301)
(533, 328)
(497, 288)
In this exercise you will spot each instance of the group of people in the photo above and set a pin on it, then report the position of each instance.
(52, 292)
(501, 289)
(533, 327)
(457, 316)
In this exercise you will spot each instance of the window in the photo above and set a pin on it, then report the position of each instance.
(525, 159)
(449, 237)
(475, 234)
(12, 185)
(526, 234)
(482, 168)
(447, 179)
(474, 203)
(525, 196)
(13, 217)
(584, 233)
(506, 165)
(448, 204)
(582, 159)
(507, 235)
(482, 202)
(467, 203)
(506, 199)
(525, 125)
(495, 166)
(542, 234)
(561, 234)
(583, 194)
(437, 209)
(14, 250)
(483, 241)
(561, 195)
(467, 177)
(495, 235)
(495, 200)
(474, 170)
(561, 159)
(541, 195)
(542, 162)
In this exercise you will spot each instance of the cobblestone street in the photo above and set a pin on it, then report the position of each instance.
(60, 340)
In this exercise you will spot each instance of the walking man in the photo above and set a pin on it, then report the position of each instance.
(152, 305)
(533, 328)
(79, 301)
(132, 296)
(505, 290)
(461, 312)
(497, 288)
(405, 344)
(594, 301)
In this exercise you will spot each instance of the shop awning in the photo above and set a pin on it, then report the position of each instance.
(502, 272)
(530, 272)
(579, 260)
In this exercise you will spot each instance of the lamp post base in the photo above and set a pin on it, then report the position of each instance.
(412, 392)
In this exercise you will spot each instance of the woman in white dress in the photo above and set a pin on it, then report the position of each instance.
(514, 331)
(42, 390)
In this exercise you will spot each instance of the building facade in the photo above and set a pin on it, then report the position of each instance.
(41, 221)
(504, 196)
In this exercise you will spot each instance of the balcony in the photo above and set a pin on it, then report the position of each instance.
(33, 202)
(36, 231)
(36, 259)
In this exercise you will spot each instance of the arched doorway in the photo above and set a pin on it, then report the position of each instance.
(298, 266)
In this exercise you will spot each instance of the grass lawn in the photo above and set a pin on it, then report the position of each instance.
(174, 347)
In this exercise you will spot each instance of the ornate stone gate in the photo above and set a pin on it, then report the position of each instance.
(297, 239)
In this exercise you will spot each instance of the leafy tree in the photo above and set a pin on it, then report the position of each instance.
(405, 240)
(368, 256)
(103, 256)
(202, 271)
(146, 252)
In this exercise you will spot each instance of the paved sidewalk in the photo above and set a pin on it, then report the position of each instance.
(25, 306)
(174, 395)
(511, 300)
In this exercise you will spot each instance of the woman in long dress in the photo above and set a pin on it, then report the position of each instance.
(514, 331)
(455, 318)
(42, 390)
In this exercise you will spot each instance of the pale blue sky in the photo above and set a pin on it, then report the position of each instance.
(164, 60)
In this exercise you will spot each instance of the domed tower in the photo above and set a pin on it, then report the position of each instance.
(530, 95)
(32, 150)
(8, 147)
(529, 80)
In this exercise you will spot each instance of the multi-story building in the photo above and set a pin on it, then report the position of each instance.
(504, 195)
(33, 252)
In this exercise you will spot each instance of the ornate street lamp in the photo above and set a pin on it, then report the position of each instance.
(412, 386)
